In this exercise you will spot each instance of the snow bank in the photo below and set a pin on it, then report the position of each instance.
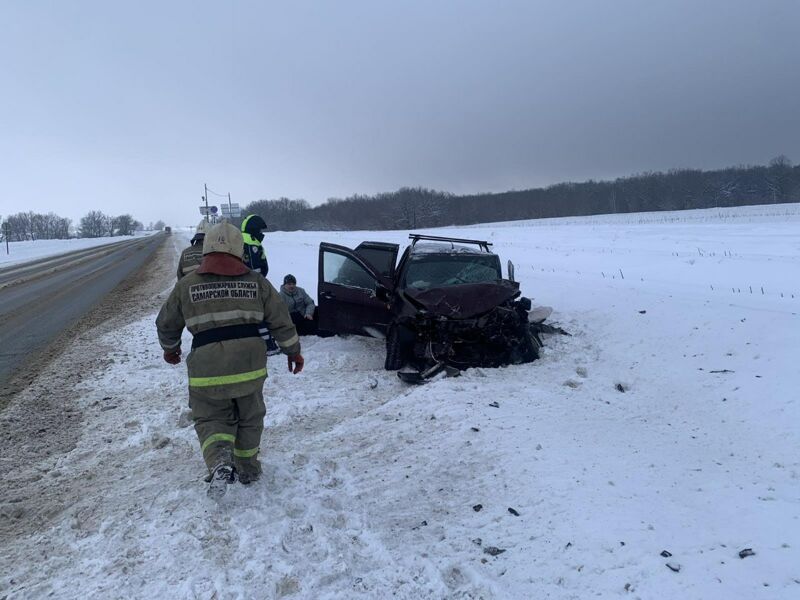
(20, 252)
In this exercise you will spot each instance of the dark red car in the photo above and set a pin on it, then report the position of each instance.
(444, 305)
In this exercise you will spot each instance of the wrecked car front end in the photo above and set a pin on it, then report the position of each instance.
(464, 326)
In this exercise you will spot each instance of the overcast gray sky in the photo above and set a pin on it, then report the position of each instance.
(132, 106)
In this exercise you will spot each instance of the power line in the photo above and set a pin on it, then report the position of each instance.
(216, 193)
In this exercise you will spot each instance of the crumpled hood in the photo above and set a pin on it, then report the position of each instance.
(466, 300)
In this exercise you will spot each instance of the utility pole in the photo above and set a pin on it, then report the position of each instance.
(6, 226)
(205, 197)
(230, 208)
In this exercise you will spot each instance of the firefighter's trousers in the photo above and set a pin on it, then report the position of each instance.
(229, 430)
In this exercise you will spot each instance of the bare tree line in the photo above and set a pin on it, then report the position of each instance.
(25, 226)
(411, 208)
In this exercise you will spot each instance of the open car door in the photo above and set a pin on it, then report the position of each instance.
(380, 255)
(347, 293)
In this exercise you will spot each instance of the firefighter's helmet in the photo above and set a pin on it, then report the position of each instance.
(224, 237)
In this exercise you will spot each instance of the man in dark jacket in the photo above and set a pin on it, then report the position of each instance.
(223, 304)
(253, 256)
(301, 306)
(253, 228)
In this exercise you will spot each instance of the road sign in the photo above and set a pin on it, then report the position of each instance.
(231, 210)
(212, 210)
(204, 210)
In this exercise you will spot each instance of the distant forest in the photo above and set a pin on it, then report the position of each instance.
(412, 208)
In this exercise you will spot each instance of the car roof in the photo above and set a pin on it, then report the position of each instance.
(422, 248)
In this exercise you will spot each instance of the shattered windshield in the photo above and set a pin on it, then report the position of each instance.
(439, 271)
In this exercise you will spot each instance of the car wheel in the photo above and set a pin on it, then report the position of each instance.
(395, 351)
(532, 345)
(528, 348)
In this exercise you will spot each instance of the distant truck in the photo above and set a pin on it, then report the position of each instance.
(167, 229)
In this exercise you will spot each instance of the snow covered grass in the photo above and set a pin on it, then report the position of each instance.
(20, 252)
(668, 421)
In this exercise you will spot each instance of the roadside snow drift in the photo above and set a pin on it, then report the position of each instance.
(637, 458)
(19, 252)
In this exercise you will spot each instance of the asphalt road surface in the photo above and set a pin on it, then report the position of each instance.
(38, 300)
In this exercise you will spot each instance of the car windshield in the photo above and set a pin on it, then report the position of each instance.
(437, 271)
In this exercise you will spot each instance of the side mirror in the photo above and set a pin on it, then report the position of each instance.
(510, 271)
(382, 293)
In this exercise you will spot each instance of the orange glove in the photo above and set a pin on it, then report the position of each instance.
(298, 361)
(173, 357)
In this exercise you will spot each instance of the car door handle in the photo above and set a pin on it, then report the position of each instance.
(327, 295)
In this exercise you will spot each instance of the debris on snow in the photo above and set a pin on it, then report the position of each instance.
(477, 507)
(666, 553)
(674, 567)
(159, 442)
(513, 511)
(493, 550)
(746, 552)
(185, 420)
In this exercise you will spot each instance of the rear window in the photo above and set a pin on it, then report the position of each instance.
(429, 271)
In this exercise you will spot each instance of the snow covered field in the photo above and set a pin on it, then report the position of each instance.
(544, 480)
(20, 252)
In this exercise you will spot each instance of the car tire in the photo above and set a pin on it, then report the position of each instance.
(396, 354)
(532, 343)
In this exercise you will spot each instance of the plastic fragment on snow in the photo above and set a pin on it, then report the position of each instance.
(674, 567)
(746, 552)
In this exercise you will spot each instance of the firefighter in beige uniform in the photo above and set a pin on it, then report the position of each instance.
(222, 304)
(191, 256)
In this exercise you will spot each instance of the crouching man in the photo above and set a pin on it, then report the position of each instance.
(301, 307)
(222, 303)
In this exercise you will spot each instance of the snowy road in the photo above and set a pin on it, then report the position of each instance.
(541, 480)
(39, 300)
